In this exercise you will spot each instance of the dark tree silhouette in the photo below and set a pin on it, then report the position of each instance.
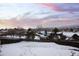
(20, 32)
(30, 34)
(11, 32)
(71, 30)
(50, 37)
(55, 30)
(75, 37)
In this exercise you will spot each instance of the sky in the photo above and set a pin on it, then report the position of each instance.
(41, 13)
(55, 9)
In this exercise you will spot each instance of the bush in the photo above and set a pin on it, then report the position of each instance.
(75, 37)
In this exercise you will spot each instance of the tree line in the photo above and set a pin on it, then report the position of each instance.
(31, 33)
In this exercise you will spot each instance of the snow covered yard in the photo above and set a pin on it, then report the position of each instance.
(37, 49)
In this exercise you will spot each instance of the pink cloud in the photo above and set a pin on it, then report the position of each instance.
(51, 6)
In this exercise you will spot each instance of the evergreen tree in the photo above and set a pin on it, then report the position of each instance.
(55, 30)
(30, 34)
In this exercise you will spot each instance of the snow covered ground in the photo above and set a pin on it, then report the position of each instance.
(37, 49)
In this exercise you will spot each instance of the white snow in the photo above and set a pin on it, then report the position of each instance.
(37, 49)
(70, 34)
(37, 38)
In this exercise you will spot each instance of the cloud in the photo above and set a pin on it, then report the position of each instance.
(38, 11)
(32, 15)
(62, 6)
